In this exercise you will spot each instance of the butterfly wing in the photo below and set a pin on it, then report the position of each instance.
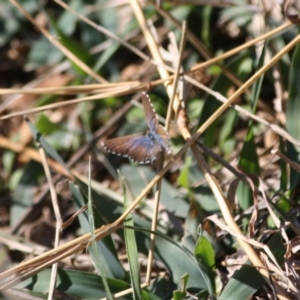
(156, 130)
(163, 138)
(137, 147)
(151, 116)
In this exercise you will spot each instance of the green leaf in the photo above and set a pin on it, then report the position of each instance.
(46, 146)
(205, 255)
(238, 14)
(170, 197)
(44, 125)
(206, 198)
(179, 261)
(292, 115)
(110, 263)
(205, 252)
(227, 129)
(98, 258)
(277, 247)
(43, 53)
(243, 284)
(10, 23)
(78, 284)
(206, 24)
(8, 158)
(256, 88)
(183, 178)
(68, 20)
(26, 189)
(62, 140)
(249, 164)
(248, 161)
(248, 157)
(178, 295)
(132, 252)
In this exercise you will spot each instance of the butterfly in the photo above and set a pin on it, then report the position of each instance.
(142, 148)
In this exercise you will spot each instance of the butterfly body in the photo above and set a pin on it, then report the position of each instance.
(142, 148)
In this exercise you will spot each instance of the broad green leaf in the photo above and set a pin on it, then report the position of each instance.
(243, 284)
(25, 191)
(176, 259)
(206, 198)
(180, 262)
(180, 13)
(107, 17)
(205, 253)
(61, 140)
(45, 126)
(277, 248)
(10, 22)
(111, 265)
(43, 53)
(178, 295)
(68, 20)
(238, 14)
(78, 284)
(46, 146)
(170, 197)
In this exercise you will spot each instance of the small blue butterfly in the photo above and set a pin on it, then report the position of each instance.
(142, 148)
